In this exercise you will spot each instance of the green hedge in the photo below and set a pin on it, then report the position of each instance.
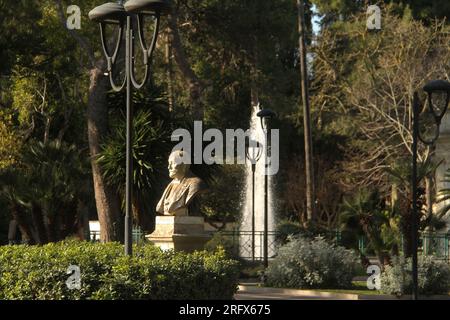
(39, 272)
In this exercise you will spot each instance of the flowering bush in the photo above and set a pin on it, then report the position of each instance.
(305, 263)
(434, 276)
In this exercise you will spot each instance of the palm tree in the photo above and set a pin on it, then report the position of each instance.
(58, 181)
(364, 214)
(44, 191)
(12, 188)
(151, 144)
(400, 175)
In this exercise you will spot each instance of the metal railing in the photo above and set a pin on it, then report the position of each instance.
(434, 244)
(138, 236)
(429, 243)
(242, 244)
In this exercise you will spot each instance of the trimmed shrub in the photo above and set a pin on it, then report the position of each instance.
(433, 276)
(40, 272)
(304, 263)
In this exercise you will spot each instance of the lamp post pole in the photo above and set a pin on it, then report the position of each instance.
(253, 153)
(265, 115)
(129, 138)
(121, 13)
(414, 227)
(253, 211)
(266, 201)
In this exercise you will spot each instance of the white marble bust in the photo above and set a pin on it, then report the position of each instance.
(179, 196)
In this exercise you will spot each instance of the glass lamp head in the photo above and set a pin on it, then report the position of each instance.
(265, 115)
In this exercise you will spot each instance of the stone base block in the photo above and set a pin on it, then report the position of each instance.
(180, 233)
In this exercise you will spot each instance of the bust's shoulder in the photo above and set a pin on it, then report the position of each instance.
(193, 179)
(195, 182)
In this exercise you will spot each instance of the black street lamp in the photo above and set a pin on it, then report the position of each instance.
(265, 115)
(432, 114)
(121, 14)
(253, 153)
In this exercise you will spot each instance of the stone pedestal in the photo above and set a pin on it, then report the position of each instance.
(181, 233)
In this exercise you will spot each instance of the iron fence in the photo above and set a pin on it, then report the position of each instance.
(138, 236)
(435, 244)
(429, 243)
(241, 243)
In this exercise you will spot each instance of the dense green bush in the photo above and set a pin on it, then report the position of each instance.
(39, 272)
(434, 276)
(305, 263)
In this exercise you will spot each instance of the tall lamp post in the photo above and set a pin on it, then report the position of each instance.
(265, 115)
(253, 154)
(123, 14)
(434, 112)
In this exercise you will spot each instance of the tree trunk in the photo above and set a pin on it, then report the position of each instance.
(24, 227)
(47, 129)
(429, 195)
(70, 219)
(406, 232)
(377, 245)
(83, 231)
(106, 198)
(50, 229)
(310, 192)
(38, 222)
(168, 56)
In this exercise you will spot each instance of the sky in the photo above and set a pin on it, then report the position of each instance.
(316, 20)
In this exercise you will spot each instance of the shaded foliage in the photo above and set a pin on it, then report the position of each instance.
(44, 192)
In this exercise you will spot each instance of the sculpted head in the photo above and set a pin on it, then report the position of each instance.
(178, 164)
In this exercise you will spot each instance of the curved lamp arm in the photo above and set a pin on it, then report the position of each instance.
(147, 52)
(111, 59)
(254, 157)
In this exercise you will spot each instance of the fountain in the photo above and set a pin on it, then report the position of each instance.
(245, 239)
